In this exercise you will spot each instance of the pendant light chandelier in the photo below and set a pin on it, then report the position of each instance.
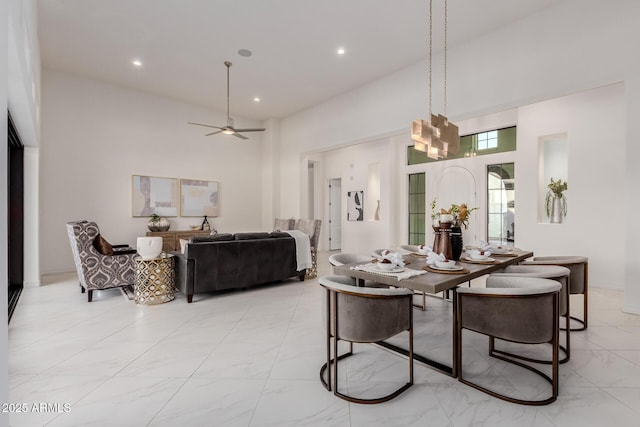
(437, 137)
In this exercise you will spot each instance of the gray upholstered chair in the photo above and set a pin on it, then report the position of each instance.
(552, 272)
(517, 309)
(96, 271)
(409, 248)
(347, 258)
(579, 280)
(280, 224)
(363, 315)
(377, 253)
(311, 227)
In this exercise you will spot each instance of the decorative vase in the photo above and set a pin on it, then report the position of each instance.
(556, 210)
(436, 236)
(149, 247)
(376, 215)
(456, 243)
(444, 246)
(161, 224)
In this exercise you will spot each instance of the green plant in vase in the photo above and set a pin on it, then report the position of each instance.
(555, 201)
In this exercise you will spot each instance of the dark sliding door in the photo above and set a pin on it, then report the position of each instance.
(15, 175)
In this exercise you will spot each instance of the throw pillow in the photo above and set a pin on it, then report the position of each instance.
(102, 246)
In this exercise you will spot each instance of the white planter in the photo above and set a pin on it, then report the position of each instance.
(149, 247)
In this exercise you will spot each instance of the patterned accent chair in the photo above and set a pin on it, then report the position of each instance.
(311, 227)
(95, 270)
(280, 224)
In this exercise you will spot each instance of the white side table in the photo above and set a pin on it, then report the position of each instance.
(154, 280)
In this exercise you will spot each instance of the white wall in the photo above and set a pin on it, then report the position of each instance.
(545, 56)
(351, 165)
(95, 136)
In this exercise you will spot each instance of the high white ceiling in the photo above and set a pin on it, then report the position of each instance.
(184, 43)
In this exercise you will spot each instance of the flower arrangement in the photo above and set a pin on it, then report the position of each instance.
(461, 213)
(556, 188)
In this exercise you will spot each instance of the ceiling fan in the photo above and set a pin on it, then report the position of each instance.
(229, 129)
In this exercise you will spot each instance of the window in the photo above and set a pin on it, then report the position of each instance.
(417, 209)
(488, 140)
(501, 210)
(478, 144)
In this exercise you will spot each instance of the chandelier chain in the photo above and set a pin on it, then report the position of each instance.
(446, 24)
(430, 51)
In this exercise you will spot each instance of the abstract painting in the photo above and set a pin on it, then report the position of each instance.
(355, 206)
(151, 194)
(199, 198)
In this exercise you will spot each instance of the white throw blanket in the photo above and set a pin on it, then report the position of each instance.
(303, 249)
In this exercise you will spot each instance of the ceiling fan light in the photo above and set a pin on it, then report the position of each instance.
(228, 131)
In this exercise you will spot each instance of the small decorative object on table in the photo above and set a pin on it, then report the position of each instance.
(157, 223)
(556, 202)
(149, 247)
(205, 224)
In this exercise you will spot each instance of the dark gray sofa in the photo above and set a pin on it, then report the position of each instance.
(243, 260)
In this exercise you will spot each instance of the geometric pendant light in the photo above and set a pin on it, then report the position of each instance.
(436, 136)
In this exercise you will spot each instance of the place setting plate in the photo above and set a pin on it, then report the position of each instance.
(393, 270)
(458, 269)
(487, 261)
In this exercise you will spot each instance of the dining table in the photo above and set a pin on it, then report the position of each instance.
(431, 282)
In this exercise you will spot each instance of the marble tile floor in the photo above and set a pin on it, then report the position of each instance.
(251, 358)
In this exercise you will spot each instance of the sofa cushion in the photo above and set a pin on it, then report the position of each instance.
(279, 234)
(250, 236)
(102, 246)
(211, 238)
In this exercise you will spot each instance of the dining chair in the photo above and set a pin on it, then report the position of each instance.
(517, 309)
(363, 315)
(579, 281)
(552, 272)
(349, 258)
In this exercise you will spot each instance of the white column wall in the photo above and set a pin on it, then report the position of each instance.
(629, 225)
(351, 165)
(96, 136)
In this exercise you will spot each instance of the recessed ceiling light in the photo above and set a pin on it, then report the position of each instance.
(341, 51)
(245, 52)
(256, 99)
(137, 63)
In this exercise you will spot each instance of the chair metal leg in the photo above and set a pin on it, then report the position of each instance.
(327, 366)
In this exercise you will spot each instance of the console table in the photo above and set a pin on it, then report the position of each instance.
(171, 239)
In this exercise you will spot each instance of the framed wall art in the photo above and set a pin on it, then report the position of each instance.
(199, 198)
(355, 206)
(152, 194)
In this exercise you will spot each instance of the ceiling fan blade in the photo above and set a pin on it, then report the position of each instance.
(239, 136)
(200, 124)
(251, 130)
(213, 133)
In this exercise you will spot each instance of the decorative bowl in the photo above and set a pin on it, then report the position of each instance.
(446, 264)
(386, 266)
(478, 256)
(149, 247)
(195, 227)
